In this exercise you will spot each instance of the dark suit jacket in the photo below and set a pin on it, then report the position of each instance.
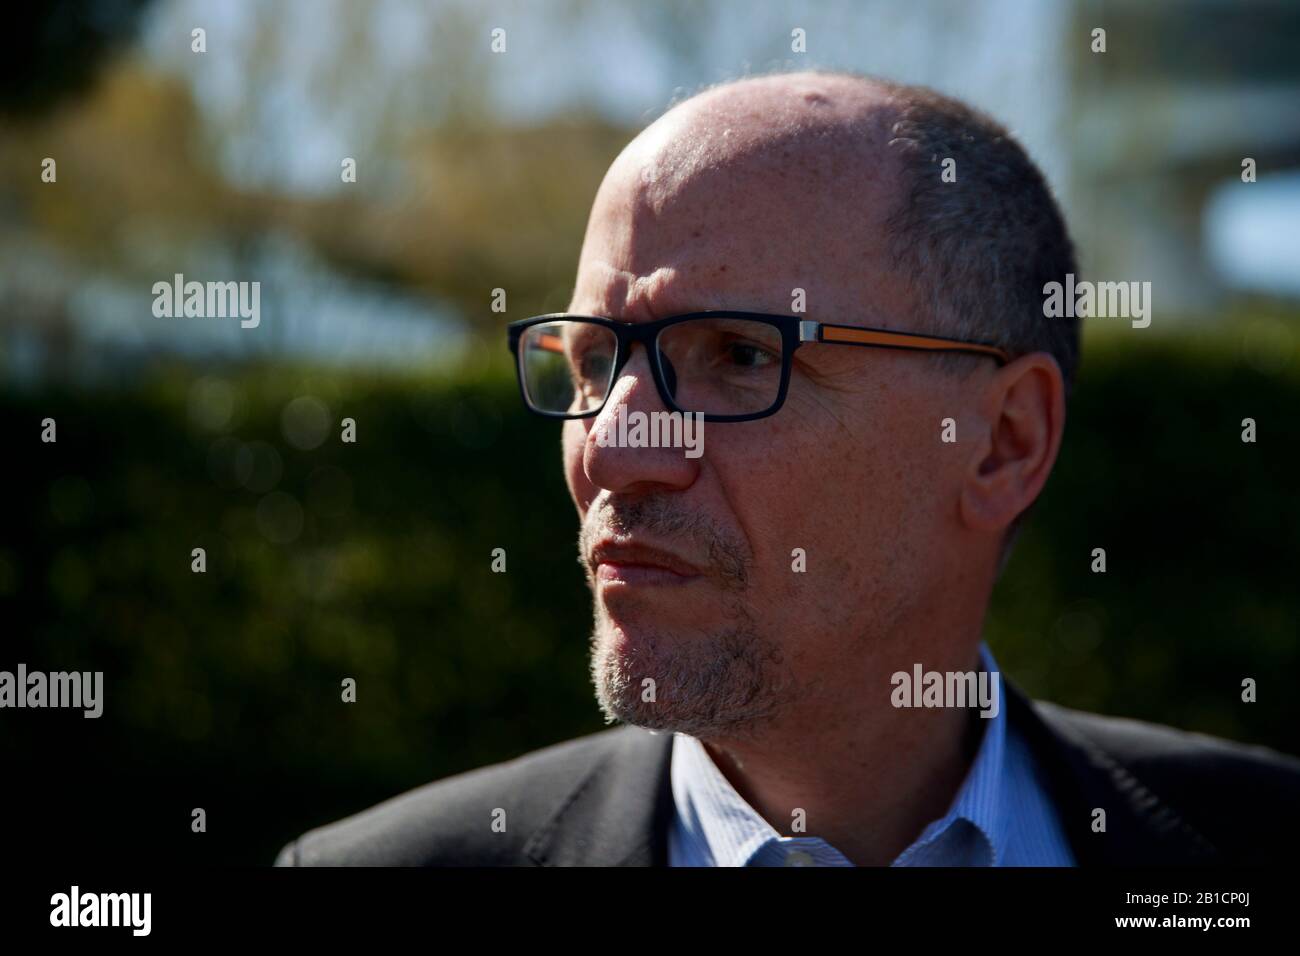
(1171, 798)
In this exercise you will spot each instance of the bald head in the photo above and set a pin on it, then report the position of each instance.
(794, 128)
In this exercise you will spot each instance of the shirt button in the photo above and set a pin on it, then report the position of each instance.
(799, 858)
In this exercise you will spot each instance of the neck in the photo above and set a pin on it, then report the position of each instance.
(868, 776)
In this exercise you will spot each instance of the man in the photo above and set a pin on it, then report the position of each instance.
(761, 609)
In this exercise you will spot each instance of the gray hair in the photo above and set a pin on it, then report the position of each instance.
(979, 250)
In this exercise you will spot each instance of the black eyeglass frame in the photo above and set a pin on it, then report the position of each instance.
(794, 333)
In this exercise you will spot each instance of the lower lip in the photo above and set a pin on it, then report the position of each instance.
(641, 575)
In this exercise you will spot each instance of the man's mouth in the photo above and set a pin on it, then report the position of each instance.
(626, 562)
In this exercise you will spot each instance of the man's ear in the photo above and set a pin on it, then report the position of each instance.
(1023, 409)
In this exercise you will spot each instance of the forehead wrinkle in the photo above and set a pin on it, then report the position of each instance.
(625, 294)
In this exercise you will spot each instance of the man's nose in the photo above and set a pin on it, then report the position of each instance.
(620, 467)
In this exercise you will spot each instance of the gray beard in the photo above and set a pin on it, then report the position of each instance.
(722, 685)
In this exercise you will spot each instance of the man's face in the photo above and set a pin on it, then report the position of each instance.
(693, 561)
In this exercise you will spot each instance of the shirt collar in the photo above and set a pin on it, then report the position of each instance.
(724, 827)
(728, 830)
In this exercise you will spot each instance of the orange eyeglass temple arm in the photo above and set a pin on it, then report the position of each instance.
(905, 340)
(548, 343)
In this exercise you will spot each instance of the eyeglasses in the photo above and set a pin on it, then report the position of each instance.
(729, 366)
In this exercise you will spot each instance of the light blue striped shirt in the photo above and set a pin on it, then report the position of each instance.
(1001, 816)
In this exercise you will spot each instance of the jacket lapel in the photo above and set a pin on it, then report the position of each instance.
(619, 812)
(1141, 829)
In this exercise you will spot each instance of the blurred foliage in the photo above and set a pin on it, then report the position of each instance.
(51, 51)
(372, 561)
(479, 206)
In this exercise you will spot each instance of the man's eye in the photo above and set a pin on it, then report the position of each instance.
(748, 355)
(593, 366)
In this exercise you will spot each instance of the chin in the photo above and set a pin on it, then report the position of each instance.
(623, 658)
(705, 683)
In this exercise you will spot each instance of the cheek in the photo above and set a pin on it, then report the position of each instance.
(841, 493)
(794, 487)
